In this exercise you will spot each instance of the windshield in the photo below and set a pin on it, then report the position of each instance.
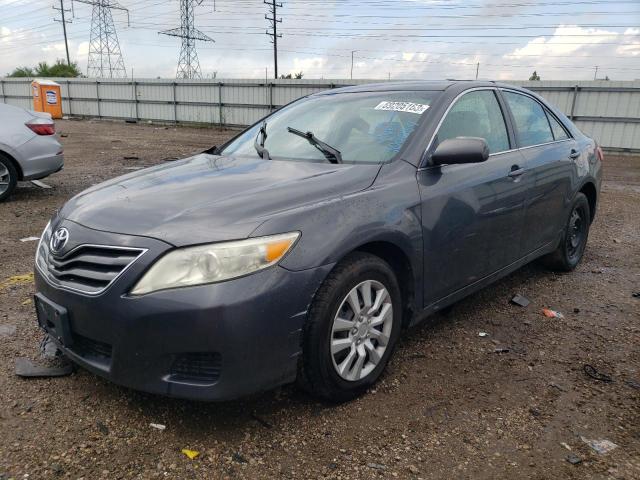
(364, 127)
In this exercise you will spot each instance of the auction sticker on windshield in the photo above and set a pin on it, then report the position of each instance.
(418, 108)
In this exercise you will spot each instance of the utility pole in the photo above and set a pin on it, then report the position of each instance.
(273, 24)
(477, 70)
(64, 27)
(352, 52)
(595, 75)
(188, 63)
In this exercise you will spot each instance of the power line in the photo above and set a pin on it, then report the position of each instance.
(188, 63)
(273, 23)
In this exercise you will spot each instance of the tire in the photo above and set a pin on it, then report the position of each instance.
(574, 237)
(8, 177)
(350, 334)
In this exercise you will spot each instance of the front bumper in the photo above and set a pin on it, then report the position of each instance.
(237, 337)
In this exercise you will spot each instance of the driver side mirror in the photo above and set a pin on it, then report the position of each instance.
(461, 150)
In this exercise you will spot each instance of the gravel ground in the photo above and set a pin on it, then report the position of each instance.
(447, 407)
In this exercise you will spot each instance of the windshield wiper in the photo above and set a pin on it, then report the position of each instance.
(262, 133)
(330, 153)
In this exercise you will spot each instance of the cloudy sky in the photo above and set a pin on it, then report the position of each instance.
(430, 39)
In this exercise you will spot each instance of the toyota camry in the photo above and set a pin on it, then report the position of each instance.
(301, 250)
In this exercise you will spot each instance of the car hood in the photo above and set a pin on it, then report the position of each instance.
(210, 198)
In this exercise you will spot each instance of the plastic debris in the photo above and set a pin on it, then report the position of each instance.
(26, 302)
(547, 312)
(157, 426)
(520, 300)
(40, 184)
(501, 350)
(483, 334)
(30, 239)
(190, 453)
(565, 445)
(131, 157)
(596, 375)
(26, 368)
(376, 466)
(635, 294)
(573, 459)
(600, 446)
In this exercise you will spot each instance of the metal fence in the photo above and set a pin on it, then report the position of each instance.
(606, 110)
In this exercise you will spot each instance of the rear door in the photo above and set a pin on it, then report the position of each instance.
(472, 214)
(549, 153)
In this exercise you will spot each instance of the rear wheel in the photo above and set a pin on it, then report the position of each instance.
(574, 238)
(353, 325)
(8, 177)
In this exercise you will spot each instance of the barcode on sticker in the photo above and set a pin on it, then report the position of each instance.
(418, 108)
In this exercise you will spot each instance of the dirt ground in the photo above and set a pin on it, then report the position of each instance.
(447, 407)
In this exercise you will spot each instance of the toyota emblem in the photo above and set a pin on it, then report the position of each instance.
(59, 239)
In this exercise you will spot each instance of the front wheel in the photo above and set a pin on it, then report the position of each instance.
(574, 237)
(352, 328)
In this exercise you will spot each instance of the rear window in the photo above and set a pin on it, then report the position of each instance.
(532, 126)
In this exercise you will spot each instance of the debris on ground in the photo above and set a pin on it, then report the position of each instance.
(237, 457)
(376, 466)
(633, 384)
(547, 312)
(157, 426)
(131, 157)
(573, 459)
(600, 446)
(40, 184)
(26, 368)
(501, 350)
(102, 428)
(261, 421)
(17, 280)
(520, 300)
(635, 294)
(565, 445)
(30, 239)
(190, 453)
(483, 334)
(7, 330)
(64, 135)
(593, 372)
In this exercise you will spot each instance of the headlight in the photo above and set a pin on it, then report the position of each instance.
(215, 262)
(43, 248)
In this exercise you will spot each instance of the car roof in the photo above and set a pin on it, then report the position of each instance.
(415, 85)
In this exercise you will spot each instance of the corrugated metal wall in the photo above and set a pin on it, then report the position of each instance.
(606, 110)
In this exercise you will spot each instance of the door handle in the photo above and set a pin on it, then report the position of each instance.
(574, 153)
(516, 172)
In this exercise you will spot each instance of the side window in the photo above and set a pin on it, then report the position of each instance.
(476, 114)
(559, 133)
(532, 126)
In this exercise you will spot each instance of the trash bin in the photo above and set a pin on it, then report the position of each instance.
(46, 97)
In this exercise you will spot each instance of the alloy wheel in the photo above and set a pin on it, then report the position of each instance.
(5, 178)
(361, 330)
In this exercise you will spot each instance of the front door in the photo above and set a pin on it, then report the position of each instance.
(472, 214)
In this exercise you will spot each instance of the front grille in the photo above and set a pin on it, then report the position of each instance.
(93, 350)
(87, 268)
(196, 367)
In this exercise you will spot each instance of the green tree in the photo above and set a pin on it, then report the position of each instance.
(298, 76)
(43, 69)
(534, 76)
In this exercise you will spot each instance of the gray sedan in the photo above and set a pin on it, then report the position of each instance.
(29, 147)
(302, 248)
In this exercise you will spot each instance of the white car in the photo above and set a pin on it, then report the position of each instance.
(29, 147)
